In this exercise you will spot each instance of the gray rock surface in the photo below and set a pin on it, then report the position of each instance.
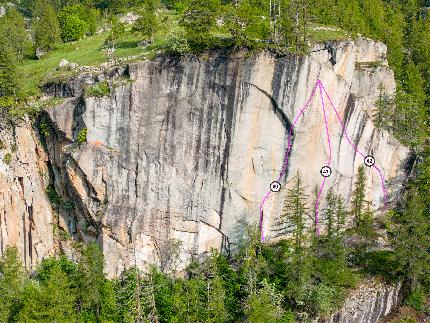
(181, 149)
(371, 301)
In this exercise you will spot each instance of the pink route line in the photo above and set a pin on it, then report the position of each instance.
(284, 167)
(381, 175)
(329, 159)
(302, 110)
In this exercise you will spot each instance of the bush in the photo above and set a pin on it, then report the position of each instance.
(382, 262)
(7, 158)
(82, 136)
(98, 90)
(78, 20)
(416, 299)
(147, 24)
(72, 27)
(176, 44)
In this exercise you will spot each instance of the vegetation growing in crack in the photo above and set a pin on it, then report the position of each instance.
(81, 138)
(98, 90)
(7, 159)
(56, 200)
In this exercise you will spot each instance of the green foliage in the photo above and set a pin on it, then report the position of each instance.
(385, 110)
(359, 197)
(12, 283)
(117, 30)
(147, 24)
(264, 305)
(98, 90)
(72, 27)
(95, 298)
(52, 300)
(77, 20)
(248, 23)
(45, 26)
(411, 239)
(199, 21)
(9, 77)
(13, 32)
(7, 159)
(384, 263)
(176, 44)
(417, 299)
(56, 199)
(293, 215)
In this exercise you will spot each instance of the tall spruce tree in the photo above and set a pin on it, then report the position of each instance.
(9, 77)
(293, 215)
(358, 202)
(199, 21)
(45, 26)
(12, 283)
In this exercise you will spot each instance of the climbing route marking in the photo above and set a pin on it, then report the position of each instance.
(325, 171)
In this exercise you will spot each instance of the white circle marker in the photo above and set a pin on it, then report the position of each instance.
(325, 171)
(369, 161)
(275, 186)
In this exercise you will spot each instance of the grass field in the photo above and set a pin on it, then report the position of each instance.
(90, 51)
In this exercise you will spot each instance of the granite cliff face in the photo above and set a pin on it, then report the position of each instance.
(26, 217)
(181, 149)
(371, 301)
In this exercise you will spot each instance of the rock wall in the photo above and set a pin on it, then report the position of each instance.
(181, 149)
(26, 216)
(370, 302)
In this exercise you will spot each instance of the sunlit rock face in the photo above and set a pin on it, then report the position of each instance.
(26, 216)
(181, 149)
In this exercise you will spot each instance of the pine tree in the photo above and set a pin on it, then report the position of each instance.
(264, 305)
(45, 26)
(12, 283)
(330, 213)
(95, 294)
(9, 77)
(199, 21)
(14, 32)
(384, 109)
(340, 216)
(293, 220)
(293, 216)
(247, 23)
(358, 202)
(53, 300)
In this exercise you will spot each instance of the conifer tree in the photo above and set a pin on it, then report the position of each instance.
(12, 283)
(53, 300)
(264, 305)
(363, 216)
(9, 77)
(45, 26)
(14, 32)
(293, 220)
(95, 294)
(293, 216)
(199, 21)
(358, 202)
(410, 237)
(340, 216)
